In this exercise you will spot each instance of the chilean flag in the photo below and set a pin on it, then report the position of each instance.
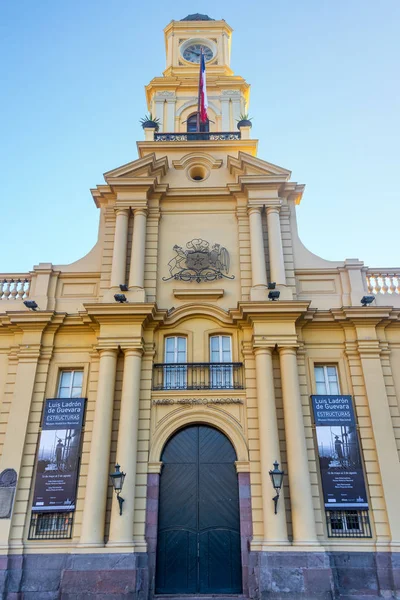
(203, 102)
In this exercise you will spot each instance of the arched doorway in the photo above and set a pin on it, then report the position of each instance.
(198, 546)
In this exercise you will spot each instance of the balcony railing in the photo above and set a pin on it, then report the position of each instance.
(383, 281)
(196, 137)
(198, 376)
(14, 287)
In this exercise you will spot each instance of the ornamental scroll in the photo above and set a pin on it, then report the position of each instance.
(199, 262)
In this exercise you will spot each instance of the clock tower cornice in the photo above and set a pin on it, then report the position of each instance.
(196, 26)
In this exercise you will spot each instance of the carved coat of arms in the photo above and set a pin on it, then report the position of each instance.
(199, 263)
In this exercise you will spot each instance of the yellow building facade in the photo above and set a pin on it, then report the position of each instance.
(193, 378)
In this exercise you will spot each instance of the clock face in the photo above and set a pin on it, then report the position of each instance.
(192, 53)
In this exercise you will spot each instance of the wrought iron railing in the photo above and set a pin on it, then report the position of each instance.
(348, 523)
(213, 136)
(198, 376)
(51, 526)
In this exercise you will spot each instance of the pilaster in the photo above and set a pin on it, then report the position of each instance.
(121, 526)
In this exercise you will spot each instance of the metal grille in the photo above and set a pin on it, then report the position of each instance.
(198, 136)
(348, 523)
(51, 526)
(198, 376)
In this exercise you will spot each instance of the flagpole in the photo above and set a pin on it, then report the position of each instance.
(198, 100)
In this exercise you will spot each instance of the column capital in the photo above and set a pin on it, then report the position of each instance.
(273, 209)
(133, 351)
(154, 467)
(139, 211)
(254, 209)
(242, 466)
(121, 211)
(263, 350)
(112, 351)
(284, 350)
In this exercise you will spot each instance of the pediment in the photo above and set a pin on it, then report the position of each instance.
(248, 165)
(148, 166)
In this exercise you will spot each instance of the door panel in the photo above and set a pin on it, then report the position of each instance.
(198, 548)
(220, 566)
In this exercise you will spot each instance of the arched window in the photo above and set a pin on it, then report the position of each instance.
(191, 124)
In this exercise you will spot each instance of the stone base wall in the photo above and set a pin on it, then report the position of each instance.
(74, 577)
(325, 575)
(271, 575)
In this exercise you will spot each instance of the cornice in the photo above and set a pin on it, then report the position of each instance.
(26, 320)
(269, 311)
(366, 315)
(248, 146)
(122, 313)
(149, 163)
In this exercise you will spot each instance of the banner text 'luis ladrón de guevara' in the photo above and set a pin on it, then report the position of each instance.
(58, 456)
(341, 468)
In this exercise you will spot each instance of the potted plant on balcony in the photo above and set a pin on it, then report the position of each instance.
(150, 122)
(244, 121)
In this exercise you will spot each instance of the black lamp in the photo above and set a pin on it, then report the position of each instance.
(117, 479)
(277, 479)
(367, 300)
(274, 295)
(30, 304)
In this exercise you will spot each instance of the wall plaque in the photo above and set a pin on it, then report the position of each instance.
(169, 401)
(8, 483)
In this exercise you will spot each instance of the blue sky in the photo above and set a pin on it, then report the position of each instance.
(324, 101)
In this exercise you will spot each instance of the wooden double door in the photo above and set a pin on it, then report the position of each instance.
(198, 547)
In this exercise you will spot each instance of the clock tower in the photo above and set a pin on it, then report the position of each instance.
(173, 97)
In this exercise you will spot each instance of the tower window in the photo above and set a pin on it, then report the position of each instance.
(191, 125)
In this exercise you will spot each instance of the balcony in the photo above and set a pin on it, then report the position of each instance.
(213, 136)
(198, 376)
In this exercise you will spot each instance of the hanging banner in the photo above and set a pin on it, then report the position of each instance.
(339, 453)
(58, 457)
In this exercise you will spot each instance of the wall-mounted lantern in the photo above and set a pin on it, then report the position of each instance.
(277, 479)
(117, 479)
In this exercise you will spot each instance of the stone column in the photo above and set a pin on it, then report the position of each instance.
(171, 104)
(225, 114)
(276, 261)
(136, 275)
(258, 267)
(121, 526)
(382, 425)
(236, 109)
(275, 530)
(118, 267)
(159, 110)
(14, 440)
(98, 470)
(303, 520)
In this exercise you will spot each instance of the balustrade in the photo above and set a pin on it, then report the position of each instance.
(212, 136)
(14, 287)
(383, 282)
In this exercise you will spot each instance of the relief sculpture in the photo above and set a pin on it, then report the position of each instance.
(199, 262)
